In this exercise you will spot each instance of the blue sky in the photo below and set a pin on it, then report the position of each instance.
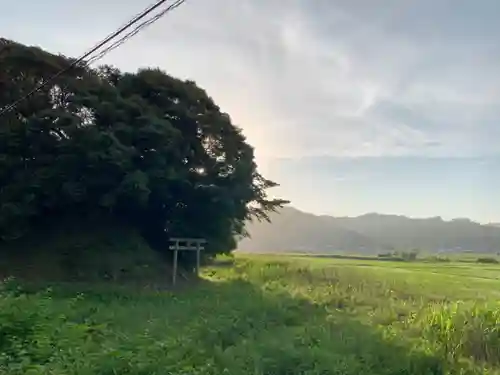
(353, 106)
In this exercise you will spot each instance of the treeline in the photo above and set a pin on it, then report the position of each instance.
(149, 150)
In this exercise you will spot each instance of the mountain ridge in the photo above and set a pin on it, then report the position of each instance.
(369, 233)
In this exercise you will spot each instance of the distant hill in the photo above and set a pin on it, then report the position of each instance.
(293, 230)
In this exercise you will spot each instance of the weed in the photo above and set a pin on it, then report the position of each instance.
(263, 315)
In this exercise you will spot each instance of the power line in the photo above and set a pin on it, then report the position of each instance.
(102, 43)
(134, 32)
(123, 27)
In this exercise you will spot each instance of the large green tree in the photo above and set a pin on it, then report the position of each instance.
(144, 147)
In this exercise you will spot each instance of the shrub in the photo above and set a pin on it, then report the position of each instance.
(75, 249)
(437, 259)
(409, 255)
(487, 260)
(37, 337)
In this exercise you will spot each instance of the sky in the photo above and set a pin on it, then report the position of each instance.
(389, 106)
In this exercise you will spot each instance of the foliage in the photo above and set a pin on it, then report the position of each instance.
(409, 255)
(465, 330)
(154, 151)
(437, 259)
(35, 337)
(82, 250)
(487, 260)
(397, 255)
(268, 315)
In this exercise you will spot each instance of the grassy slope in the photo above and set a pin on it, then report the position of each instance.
(269, 315)
(93, 249)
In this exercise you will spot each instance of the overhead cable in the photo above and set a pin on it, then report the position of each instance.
(108, 39)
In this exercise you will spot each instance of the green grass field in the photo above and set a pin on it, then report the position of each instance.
(265, 315)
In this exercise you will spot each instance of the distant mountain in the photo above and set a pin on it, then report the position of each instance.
(293, 230)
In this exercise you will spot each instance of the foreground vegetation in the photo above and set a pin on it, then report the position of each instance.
(263, 315)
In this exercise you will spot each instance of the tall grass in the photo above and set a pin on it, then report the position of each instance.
(261, 316)
(464, 330)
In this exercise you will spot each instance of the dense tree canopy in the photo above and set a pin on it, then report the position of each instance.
(144, 147)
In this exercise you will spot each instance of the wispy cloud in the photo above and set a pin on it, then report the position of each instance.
(320, 77)
(320, 80)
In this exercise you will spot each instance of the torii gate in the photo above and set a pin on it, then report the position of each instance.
(186, 244)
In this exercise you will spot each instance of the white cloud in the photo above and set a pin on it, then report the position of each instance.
(309, 78)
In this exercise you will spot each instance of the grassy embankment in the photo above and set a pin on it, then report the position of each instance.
(266, 315)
